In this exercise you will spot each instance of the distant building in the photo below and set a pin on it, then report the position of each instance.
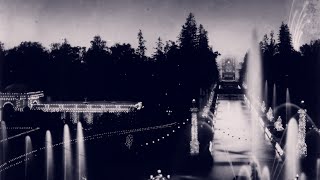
(228, 70)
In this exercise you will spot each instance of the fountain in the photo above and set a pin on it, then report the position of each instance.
(318, 169)
(265, 175)
(49, 156)
(254, 84)
(274, 97)
(288, 110)
(244, 172)
(297, 22)
(28, 157)
(81, 153)
(303, 176)
(292, 158)
(3, 145)
(67, 153)
(266, 92)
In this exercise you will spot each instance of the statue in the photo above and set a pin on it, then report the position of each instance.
(278, 124)
(270, 116)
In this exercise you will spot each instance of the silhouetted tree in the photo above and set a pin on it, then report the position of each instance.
(203, 42)
(159, 53)
(188, 35)
(66, 72)
(2, 70)
(285, 41)
(99, 67)
(141, 50)
(27, 64)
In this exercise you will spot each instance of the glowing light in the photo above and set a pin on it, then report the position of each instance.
(194, 143)
(159, 176)
(74, 117)
(302, 146)
(89, 117)
(129, 141)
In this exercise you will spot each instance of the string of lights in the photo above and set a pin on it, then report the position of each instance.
(169, 134)
(92, 137)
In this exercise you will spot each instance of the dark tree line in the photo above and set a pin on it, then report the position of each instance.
(286, 67)
(173, 75)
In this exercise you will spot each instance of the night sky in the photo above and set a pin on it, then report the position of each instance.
(229, 22)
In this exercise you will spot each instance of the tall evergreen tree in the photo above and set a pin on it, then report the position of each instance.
(203, 41)
(285, 41)
(188, 35)
(264, 44)
(159, 53)
(141, 50)
(272, 46)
